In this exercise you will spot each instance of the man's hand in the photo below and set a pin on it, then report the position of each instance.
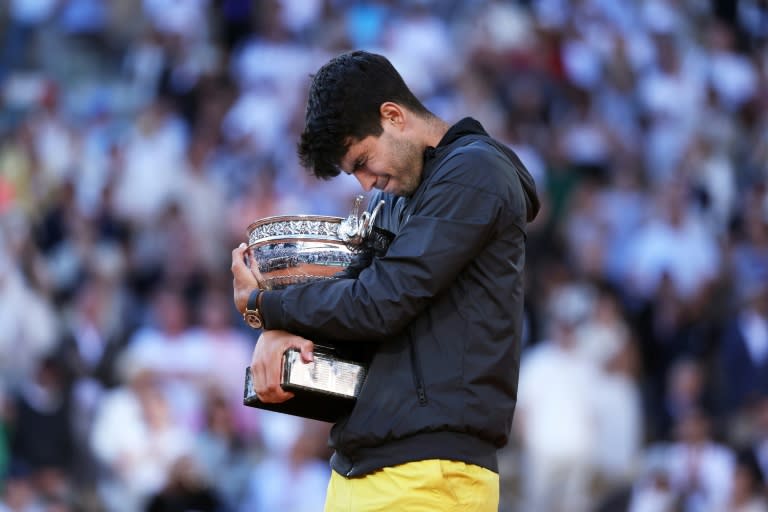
(267, 362)
(246, 277)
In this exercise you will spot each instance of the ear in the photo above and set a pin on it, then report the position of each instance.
(392, 113)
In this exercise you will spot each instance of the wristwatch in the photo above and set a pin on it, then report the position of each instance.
(252, 315)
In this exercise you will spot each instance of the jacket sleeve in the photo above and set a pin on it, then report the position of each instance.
(452, 222)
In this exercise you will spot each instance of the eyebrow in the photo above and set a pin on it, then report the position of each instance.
(356, 164)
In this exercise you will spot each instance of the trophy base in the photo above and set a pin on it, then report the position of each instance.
(325, 389)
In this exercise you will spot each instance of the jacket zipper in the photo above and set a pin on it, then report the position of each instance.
(418, 380)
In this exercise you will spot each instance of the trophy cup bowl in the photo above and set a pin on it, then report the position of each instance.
(296, 249)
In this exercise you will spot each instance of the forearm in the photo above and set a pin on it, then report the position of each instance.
(341, 310)
(421, 263)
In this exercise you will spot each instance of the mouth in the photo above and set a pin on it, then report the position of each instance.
(382, 184)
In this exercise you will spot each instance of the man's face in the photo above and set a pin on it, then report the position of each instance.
(390, 162)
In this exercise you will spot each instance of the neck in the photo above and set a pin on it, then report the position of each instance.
(428, 130)
(435, 130)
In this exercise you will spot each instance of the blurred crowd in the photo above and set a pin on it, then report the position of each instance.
(139, 139)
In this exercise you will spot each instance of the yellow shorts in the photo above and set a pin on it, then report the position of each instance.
(423, 486)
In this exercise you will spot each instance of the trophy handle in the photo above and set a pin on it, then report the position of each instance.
(356, 227)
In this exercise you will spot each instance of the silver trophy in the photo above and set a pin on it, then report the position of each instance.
(295, 249)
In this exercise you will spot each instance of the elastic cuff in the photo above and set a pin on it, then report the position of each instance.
(271, 309)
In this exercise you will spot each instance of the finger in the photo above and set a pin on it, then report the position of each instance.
(238, 262)
(274, 384)
(273, 391)
(237, 252)
(307, 350)
(258, 367)
(258, 377)
(267, 386)
(243, 281)
(253, 265)
(274, 397)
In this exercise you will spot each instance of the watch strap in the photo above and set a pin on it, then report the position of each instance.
(253, 300)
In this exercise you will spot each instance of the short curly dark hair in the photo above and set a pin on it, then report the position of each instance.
(343, 107)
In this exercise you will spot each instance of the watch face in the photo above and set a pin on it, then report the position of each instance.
(253, 320)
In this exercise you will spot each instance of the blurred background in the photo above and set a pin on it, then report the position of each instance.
(140, 138)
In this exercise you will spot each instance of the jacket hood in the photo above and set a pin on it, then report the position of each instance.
(470, 126)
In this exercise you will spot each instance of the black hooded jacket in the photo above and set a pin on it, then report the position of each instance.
(445, 306)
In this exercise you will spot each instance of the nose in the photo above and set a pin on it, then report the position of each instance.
(366, 179)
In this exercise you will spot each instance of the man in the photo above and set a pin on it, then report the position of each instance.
(444, 301)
